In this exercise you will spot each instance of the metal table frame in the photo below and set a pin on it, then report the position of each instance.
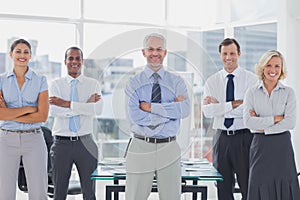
(194, 188)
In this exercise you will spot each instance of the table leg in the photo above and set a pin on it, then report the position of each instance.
(194, 189)
(113, 188)
(195, 182)
(108, 193)
(204, 193)
(116, 193)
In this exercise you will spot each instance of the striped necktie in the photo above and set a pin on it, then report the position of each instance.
(156, 94)
(156, 91)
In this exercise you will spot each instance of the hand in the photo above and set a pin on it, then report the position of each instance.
(2, 102)
(30, 109)
(145, 106)
(260, 131)
(236, 103)
(94, 98)
(59, 102)
(209, 99)
(179, 98)
(252, 113)
(278, 118)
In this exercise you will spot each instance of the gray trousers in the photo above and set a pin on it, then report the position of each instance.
(84, 154)
(143, 161)
(32, 148)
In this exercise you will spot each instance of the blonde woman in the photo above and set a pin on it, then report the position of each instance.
(270, 112)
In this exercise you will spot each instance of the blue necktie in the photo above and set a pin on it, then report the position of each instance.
(74, 123)
(229, 97)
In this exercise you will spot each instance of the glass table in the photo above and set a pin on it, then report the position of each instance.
(193, 171)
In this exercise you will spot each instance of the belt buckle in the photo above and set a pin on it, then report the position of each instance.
(36, 130)
(147, 139)
(75, 138)
(230, 132)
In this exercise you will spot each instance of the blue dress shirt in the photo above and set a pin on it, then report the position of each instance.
(16, 97)
(167, 114)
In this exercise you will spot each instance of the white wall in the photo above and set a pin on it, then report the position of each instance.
(288, 44)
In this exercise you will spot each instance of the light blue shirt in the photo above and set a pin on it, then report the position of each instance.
(16, 98)
(282, 101)
(167, 114)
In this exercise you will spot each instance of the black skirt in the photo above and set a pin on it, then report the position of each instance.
(273, 174)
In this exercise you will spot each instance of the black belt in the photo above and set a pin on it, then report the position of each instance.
(155, 140)
(36, 130)
(74, 138)
(234, 132)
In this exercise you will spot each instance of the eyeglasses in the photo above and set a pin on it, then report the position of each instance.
(150, 49)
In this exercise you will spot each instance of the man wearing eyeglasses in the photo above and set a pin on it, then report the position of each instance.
(75, 100)
(156, 101)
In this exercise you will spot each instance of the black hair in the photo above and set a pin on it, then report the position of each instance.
(19, 41)
(73, 48)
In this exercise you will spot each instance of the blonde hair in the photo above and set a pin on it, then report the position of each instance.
(266, 57)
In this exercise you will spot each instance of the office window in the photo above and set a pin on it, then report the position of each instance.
(209, 59)
(254, 41)
(125, 11)
(253, 10)
(192, 12)
(54, 8)
(48, 41)
(209, 63)
(104, 36)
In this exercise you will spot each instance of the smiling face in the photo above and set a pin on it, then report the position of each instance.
(229, 55)
(73, 62)
(21, 55)
(273, 69)
(155, 53)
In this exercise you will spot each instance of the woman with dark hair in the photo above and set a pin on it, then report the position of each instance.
(270, 112)
(23, 107)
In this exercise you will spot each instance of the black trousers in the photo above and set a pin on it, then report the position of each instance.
(83, 153)
(230, 158)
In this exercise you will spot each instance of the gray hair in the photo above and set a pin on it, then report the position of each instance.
(157, 35)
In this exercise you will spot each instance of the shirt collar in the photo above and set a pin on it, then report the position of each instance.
(279, 85)
(148, 71)
(236, 72)
(70, 78)
(28, 74)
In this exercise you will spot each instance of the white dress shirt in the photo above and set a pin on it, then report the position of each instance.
(282, 101)
(86, 87)
(215, 86)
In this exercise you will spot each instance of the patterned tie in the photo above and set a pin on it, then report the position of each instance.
(229, 97)
(74, 123)
(156, 92)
